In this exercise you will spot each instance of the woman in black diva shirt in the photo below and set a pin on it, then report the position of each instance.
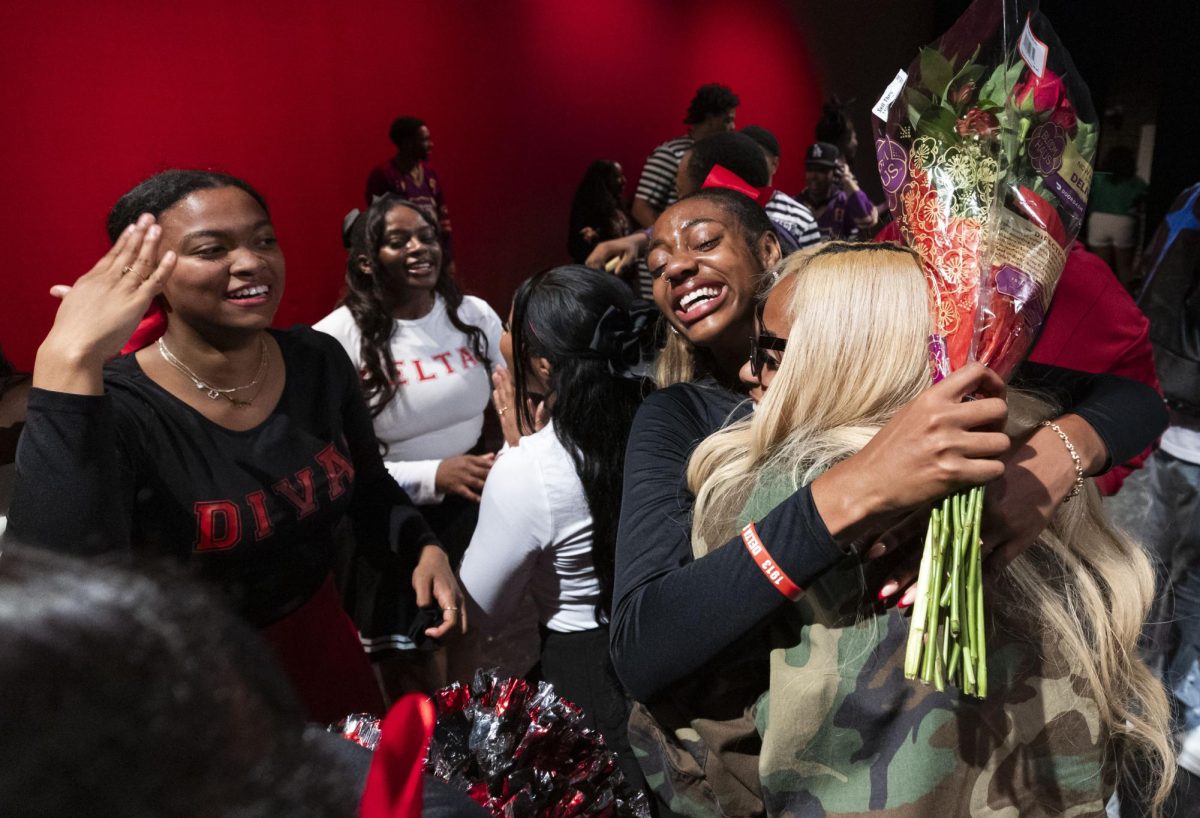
(228, 445)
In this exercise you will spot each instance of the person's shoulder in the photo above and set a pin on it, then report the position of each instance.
(303, 345)
(783, 204)
(381, 169)
(136, 399)
(698, 403)
(518, 470)
(127, 383)
(542, 446)
(338, 323)
(676, 146)
(123, 369)
(475, 307)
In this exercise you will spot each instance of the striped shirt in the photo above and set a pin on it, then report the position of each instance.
(657, 183)
(795, 217)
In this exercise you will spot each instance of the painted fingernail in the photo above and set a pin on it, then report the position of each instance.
(888, 589)
(153, 232)
(907, 599)
(876, 551)
(144, 220)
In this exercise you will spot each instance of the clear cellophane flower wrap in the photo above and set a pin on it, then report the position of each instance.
(985, 149)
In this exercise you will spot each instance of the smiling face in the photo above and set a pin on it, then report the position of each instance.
(705, 272)
(230, 272)
(410, 254)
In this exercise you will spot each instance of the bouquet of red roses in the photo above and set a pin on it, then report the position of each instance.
(985, 147)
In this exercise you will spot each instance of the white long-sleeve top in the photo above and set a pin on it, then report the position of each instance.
(534, 534)
(438, 410)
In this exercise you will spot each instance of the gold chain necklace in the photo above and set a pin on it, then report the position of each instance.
(214, 392)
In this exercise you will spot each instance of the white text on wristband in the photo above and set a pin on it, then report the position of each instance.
(774, 574)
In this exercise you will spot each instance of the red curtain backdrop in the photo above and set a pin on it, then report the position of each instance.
(297, 97)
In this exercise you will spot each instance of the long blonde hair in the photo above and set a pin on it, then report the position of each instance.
(856, 354)
(806, 420)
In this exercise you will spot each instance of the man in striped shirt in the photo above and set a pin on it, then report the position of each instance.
(782, 208)
(711, 111)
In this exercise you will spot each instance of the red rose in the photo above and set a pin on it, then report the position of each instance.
(978, 122)
(1064, 114)
(963, 92)
(1046, 93)
(1047, 90)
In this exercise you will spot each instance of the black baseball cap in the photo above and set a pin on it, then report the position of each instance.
(822, 155)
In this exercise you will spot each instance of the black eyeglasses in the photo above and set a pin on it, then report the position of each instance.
(759, 359)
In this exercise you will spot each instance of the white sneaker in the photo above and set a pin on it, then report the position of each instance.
(1189, 751)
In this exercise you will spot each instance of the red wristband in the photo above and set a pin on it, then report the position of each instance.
(770, 568)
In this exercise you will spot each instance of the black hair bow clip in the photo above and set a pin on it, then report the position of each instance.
(621, 336)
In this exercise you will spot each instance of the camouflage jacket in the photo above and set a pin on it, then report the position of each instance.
(845, 734)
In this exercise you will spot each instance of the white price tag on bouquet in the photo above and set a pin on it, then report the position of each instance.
(890, 95)
(1033, 50)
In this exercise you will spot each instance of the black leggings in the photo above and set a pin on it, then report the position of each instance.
(578, 666)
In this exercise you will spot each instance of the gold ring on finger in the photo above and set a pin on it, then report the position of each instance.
(502, 410)
(128, 268)
(450, 609)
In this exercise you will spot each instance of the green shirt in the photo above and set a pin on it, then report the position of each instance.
(1111, 194)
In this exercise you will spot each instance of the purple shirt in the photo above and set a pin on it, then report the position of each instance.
(420, 186)
(842, 213)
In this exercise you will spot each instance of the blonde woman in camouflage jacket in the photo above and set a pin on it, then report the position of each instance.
(1070, 706)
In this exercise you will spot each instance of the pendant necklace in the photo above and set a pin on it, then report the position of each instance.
(215, 392)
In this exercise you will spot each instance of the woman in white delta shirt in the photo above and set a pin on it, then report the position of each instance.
(425, 353)
(548, 519)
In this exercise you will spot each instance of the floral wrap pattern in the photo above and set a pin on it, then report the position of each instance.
(982, 129)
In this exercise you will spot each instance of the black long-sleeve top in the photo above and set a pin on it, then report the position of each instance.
(673, 614)
(136, 469)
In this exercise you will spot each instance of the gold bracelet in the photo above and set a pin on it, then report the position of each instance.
(1078, 487)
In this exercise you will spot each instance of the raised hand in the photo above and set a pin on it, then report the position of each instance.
(101, 311)
(936, 444)
(615, 255)
(504, 398)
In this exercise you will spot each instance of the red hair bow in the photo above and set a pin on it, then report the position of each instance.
(723, 177)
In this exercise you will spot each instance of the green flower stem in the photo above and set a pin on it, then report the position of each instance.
(946, 635)
(916, 631)
(935, 592)
(977, 597)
